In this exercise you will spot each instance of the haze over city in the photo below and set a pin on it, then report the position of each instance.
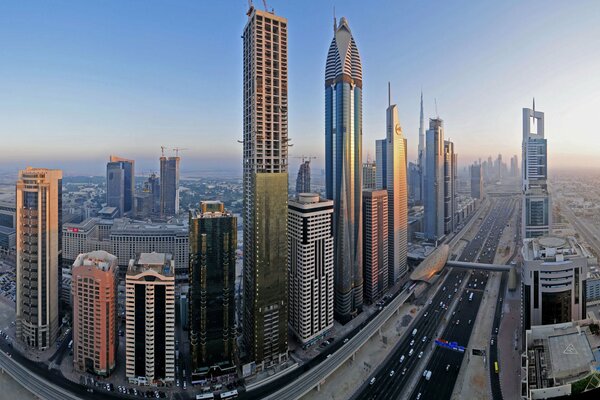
(81, 80)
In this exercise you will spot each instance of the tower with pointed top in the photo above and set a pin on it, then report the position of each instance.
(421, 154)
(343, 160)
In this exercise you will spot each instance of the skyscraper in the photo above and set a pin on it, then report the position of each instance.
(213, 241)
(434, 178)
(169, 186)
(303, 179)
(421, 160)
(414, 182)
(265, 94)
(381, 164)
(94, 292)
(150, 319)
(449, 187)
(120, 184)
(369, 175)
(39, 251)
(376, 240)
(310, 266)
(537, 216)
(476, 181)
(343, 160)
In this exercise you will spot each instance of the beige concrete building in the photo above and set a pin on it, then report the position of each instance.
(150, 319)
(94, 293)
(39, 218)
(376, 242)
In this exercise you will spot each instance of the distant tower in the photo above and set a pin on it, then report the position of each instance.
(120, 185)
(343, 160)
(39, 256)
(449, 187)
(381, 164)
(476, 181)
(303, 179)
(537, 211)
(369, 175)
(421, 154)
(310, 266)
(434, 178)
(169, 186)
(375, 235)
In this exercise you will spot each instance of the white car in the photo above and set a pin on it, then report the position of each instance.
(420, 354)
(392, 373)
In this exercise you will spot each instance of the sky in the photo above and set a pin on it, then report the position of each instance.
(80, 80)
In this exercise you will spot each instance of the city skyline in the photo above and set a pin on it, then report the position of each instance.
(88, 83)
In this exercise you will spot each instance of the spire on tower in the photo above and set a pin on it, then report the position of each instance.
(389, 94)
(334, 21)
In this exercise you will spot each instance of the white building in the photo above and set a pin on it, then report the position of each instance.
(150, 319)
(554, 280)
(310, 266)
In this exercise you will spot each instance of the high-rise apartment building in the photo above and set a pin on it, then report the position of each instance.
(39, 247)
(380, 164)
(169, 186)
(120, 184)
(369, 175)
(397, 199)
(94, 293)
(265, 170)
(434, 178)
(343, 160)
(150, 319)
(376, 241)
(213, 242)
(476, 181)
(536, 209)
(303, 178)
(310, 266)
(450, 161)
(554, 277)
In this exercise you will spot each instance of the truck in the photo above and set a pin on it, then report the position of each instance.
(414, 332)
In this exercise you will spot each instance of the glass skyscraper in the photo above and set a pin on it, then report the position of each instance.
(343, 161)
(169, 186)
(120, 184)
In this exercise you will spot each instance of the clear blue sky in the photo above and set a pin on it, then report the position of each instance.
(80, 80)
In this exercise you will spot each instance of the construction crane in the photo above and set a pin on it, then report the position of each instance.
(178, 149)
(162, 150)
(304, 158)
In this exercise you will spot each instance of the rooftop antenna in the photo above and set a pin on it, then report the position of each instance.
(436, 111)
(389, 94)
(334, 20)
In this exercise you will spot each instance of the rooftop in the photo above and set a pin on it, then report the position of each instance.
(552, 249)
(161, 263)
(99, 259)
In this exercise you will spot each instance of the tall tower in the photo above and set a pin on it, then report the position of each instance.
(397, 195)
(120, 184)
(265, 125)
(39, 252)
(343, 160)
(169, 186)
(476, 181)
(375, 236)
(537, 215)
(421, 153)
(303, 178)
(449, 187)
(434, 179)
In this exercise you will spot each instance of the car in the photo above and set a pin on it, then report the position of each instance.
(402, 359)
(328, 355)
(346, 340)
(457, 321)
(372, 381)
(419, 396)
(185, 384)
(412, 342)
(177, 382)
(425, 314)
(449, 296)
(492, 342)
(404, 371)
(469, 322)
(455, 290)
(424, 339)
(410, 352)
(496, 330)
(392, 373)
(420, 354)
(447, 367)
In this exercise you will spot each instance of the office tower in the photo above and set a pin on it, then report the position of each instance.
(476, 181)
(310, 266)
(213, 241)
(8, 214)
(265, 124)
(536, 209)
(303, 179)
(147, 202)
(421, 155)
(499, 167)
(449, 187)
(514, 166)
(396, 186)
(375, 236)
(554, 280)
(39, 246)
(434, 178)
(120, 184)
(381, 164)
(414, 182)
(169, 186)
(153, 186)
(150, 319)
(343, 160)
(369, 175)
(94, 292)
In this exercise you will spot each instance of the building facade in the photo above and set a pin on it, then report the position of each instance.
(310, 266)
(8, 214)
(434, 178)
(369, 175)
(120, 185)
(150, 319)
(343, 161)
(94, 293)
(380, 164)
(375, 235)
(421, 156)
(536, 209)
(554, 281)
(303, 178)
(450, 161)
(265, 180)
(213, 242)
(39, 244)
(169, 186)
(476, 181)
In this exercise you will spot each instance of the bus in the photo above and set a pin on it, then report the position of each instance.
(233, 394)
(471, 297)
(205, 396)
(496, 367)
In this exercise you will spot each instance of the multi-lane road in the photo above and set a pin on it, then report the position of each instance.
(451, 304)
